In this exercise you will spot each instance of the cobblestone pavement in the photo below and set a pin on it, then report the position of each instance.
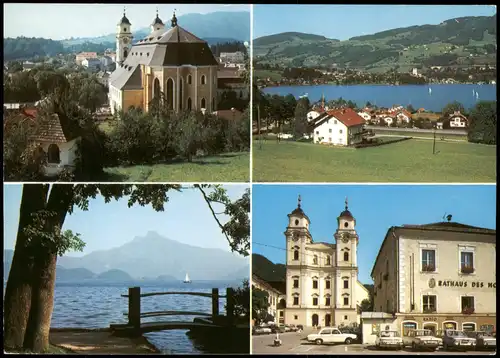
(296, 343)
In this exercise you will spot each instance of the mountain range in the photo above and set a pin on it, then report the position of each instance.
(215, 27)
(151, 256)
(458, 41)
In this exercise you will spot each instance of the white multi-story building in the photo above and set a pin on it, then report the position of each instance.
(437, 276)
(274, 297)
(322, 287)
(339, 127)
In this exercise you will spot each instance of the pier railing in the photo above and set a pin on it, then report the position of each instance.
(134, 305)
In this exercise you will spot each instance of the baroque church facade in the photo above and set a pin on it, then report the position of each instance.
(322, 287)
(169, 61)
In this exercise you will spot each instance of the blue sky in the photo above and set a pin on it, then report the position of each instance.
(186, 219)
(345, 21)
(375, 207)
(62, 21)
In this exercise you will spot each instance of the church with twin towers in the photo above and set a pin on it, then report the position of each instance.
(170, 62)
(322, 287)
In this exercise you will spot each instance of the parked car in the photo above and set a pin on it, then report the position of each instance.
(293, 328)
(388, 339)
(300, 327)
(421, 339)
(484, 340)
(331, 335)
(454, 339)
(262, 330)
(278, 329)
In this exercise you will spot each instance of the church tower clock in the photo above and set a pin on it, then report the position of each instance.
(346, 243)
(123, 39)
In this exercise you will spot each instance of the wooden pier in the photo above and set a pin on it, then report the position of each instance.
(134, 326)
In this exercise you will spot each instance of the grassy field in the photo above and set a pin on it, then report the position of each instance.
(408, 161)
(229, 167)
(421, 134)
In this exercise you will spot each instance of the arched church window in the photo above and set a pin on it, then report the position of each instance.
(189, 79)
(170, 93)
(296, 255)
(53, 155)
(125, 53)
(203, 79)
(180, 94)
(203, 103)
(189, 104)
(346, 256)
(156, 88)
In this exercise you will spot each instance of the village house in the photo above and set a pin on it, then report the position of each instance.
(92, 64)
(322, 287)
(56, 138)
(230, 80)
(84, 55)
(457, 120)
(367, 116)
(276, 299)
(232, 57)
(339, 127)
(173, 62)
(436, 276)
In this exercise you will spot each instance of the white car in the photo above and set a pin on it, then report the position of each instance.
(262, 330)
(421, 339)
(388, 339)
(331, 335)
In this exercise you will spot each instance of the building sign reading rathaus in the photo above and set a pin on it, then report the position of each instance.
(462, 284)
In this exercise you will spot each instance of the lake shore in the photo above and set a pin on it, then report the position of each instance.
(99, 341)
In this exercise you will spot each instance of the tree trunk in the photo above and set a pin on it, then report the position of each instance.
(18, 292)
(42, 298)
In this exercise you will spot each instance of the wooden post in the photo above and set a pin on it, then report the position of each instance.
(230, 305)
(215, 303)
(134, 307)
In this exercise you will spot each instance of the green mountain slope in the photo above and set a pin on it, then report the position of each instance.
(460, 41)
(286, 36)
(267, 270)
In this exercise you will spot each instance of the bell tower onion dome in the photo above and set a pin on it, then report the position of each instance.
(157, 24)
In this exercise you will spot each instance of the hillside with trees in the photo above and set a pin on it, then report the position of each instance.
(267, 270)
(454, 42)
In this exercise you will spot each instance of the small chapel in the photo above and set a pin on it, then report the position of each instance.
(170, 60)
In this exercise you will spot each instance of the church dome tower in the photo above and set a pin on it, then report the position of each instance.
(123, 38)
(157, 24)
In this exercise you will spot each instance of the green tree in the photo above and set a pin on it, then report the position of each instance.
(242, 301)
(300, 123)
(260, 304)
(366, 306)
(450, 108)
(483, 123)
(29, 293)
(190, 135)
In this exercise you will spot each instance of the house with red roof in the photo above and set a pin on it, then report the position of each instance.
(341, 126)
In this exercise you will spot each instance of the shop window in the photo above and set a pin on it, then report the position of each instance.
(407, 326)
(469, 327)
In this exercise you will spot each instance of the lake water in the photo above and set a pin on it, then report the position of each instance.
(387, 96)
(98, 305)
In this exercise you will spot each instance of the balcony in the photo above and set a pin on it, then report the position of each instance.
(468, 310)
(429, 268)
(467, 270)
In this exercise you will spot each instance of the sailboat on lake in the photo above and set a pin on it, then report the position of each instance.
(430, 91)
(186, 279)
